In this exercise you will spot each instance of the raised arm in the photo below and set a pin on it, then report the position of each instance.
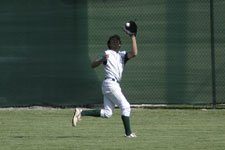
(134, 50)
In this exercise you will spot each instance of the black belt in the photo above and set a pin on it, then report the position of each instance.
(113, 79)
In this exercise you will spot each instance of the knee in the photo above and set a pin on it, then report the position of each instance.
(107, 114)
(125, 111)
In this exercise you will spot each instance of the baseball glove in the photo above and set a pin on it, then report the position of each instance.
(130, 28)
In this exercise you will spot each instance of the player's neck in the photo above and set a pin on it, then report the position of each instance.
(116, 50)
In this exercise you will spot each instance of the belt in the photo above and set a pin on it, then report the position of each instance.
(113, 79)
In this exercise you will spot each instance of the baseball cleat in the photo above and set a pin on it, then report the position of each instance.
(132, 135)
(76, 116)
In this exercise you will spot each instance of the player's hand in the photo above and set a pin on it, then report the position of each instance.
(130, 28)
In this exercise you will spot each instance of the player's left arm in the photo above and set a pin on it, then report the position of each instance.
(134, 51)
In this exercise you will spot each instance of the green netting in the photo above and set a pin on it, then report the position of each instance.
(219, 50)
(174, 62)
(44, 54)
(46, 48)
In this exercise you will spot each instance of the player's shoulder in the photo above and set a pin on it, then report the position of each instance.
(107, 51)
(122, 52)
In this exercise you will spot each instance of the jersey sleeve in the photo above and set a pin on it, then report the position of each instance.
(124, 56)
(101, 56)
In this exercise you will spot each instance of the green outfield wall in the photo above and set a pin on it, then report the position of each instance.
(46, 48)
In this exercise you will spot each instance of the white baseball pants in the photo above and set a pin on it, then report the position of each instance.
(113, 96)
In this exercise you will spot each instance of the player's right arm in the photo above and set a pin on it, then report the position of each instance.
(98, 61)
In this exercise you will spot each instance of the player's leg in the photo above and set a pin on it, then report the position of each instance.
(105, 113)
(94, 112)
(118, 98)
(78, 113)
(109, 106)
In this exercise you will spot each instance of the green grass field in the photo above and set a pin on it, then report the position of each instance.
(157, 129)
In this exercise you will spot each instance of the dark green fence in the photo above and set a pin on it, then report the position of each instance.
(46, 48)
(44, 54)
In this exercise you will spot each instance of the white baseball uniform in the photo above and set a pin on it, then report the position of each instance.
(111, 89)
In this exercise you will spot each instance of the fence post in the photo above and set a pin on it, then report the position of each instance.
(213, 54)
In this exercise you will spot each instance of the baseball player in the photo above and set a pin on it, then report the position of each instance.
(113, 60)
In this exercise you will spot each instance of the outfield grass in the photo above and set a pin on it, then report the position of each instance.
(156, 130)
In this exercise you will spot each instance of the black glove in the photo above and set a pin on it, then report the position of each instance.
(130, 28)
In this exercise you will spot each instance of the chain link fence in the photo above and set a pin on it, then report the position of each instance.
(46, 49)
(174, 41)
(219, 50)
